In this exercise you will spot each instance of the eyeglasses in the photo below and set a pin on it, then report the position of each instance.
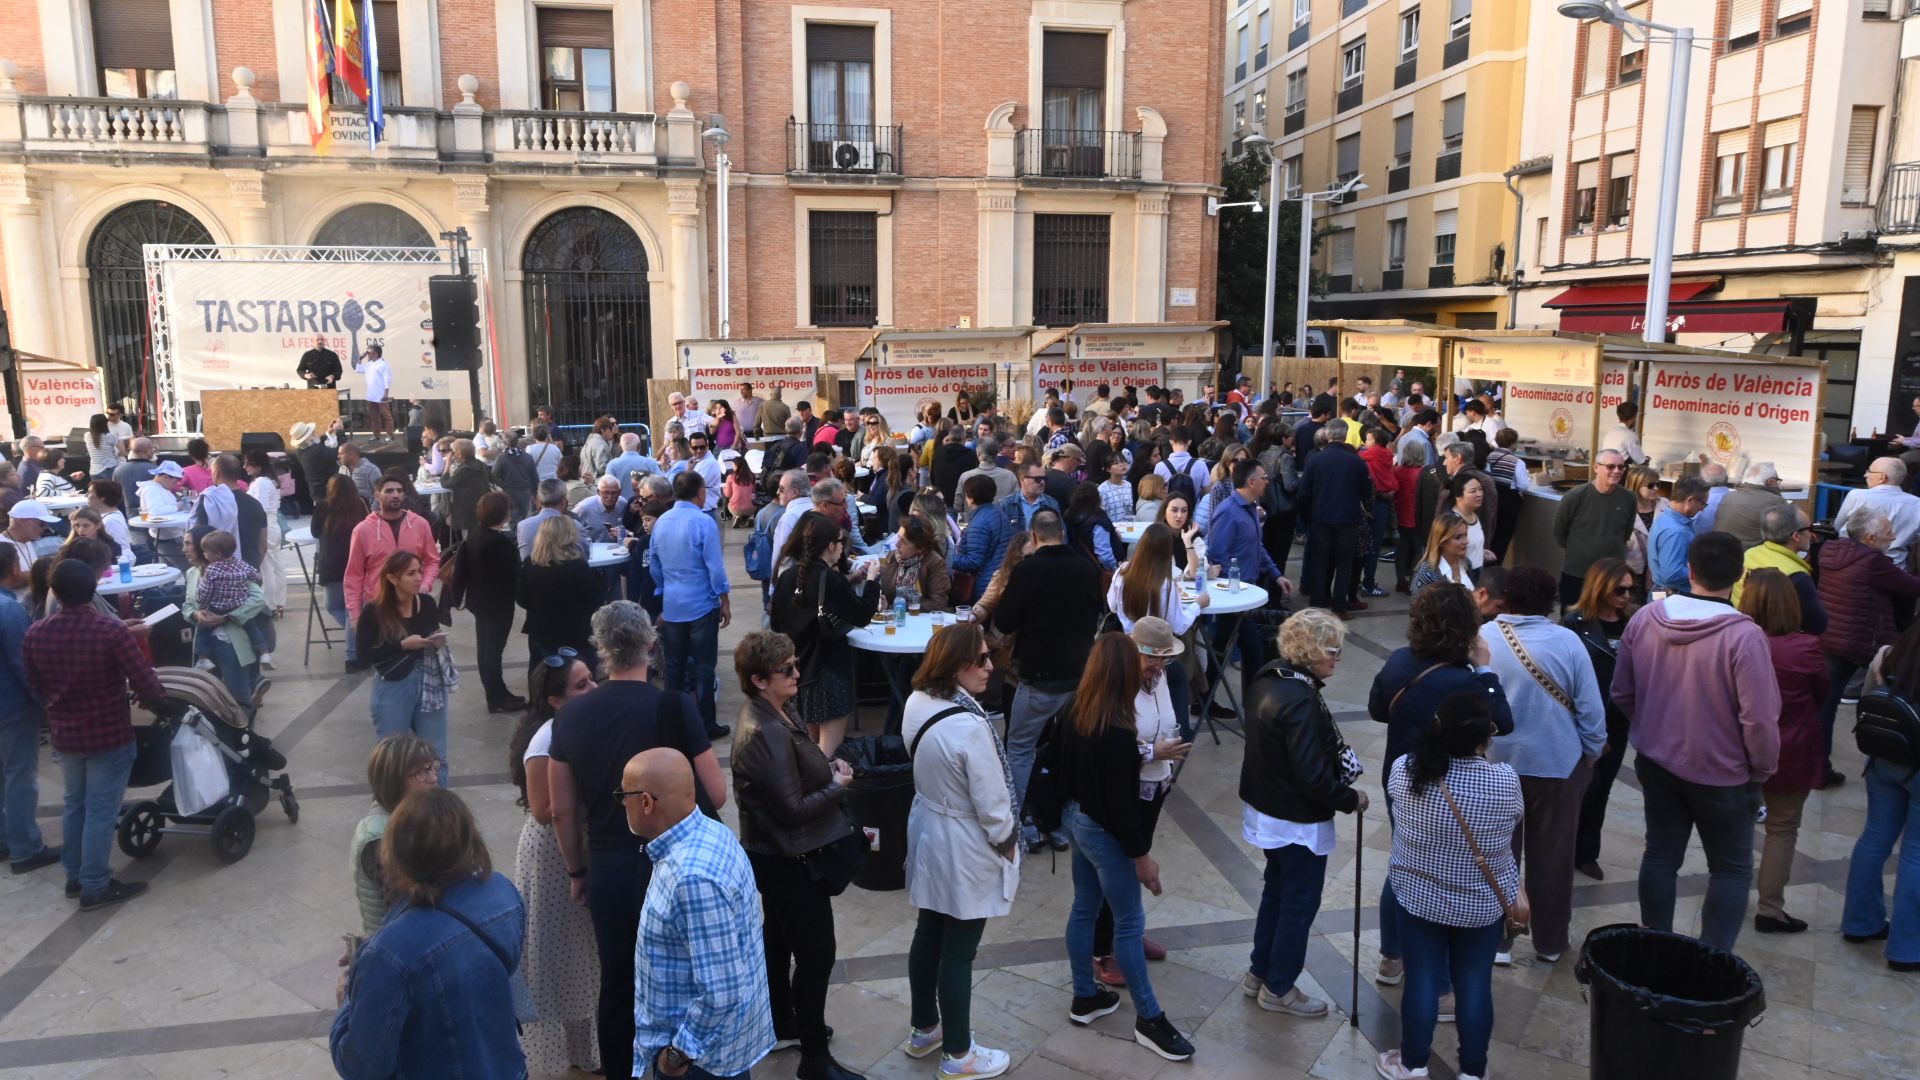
(1623, 590)
(789, 669)
(625, 795)
(983, 660)
(425, 767)
(561, 658)
(1037, 477)
(1613, 468)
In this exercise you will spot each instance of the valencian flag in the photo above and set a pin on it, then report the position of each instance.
(319, 68)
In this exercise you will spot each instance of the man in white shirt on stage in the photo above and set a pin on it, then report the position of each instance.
(379, 376)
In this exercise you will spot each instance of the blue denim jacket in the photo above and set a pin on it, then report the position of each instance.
(429, 999)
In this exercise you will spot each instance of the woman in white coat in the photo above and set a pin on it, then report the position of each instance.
(963, 861)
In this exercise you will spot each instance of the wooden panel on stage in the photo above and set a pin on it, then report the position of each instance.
(225, 415)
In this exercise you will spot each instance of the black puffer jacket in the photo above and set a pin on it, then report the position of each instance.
(1291, 769)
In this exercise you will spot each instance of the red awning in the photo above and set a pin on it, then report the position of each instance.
(1627, 295)
(1695, 317)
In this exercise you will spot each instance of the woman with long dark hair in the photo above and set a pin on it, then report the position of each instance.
(1097, 761)
(560, 965)
(103, 448)
(334, 518)
(1445, 791)
(1189, 548)
(1150, 585)
(1273, 449)
(1599, 618)
(401, 638)
(1089, 530)
(816, 605)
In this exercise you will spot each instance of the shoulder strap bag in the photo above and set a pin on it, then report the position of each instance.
(524, 1010)
(914, 749)
(1539, 675)
(1519, 911)
(1416, 679)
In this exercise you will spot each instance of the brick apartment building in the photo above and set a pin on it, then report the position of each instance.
(994, 163)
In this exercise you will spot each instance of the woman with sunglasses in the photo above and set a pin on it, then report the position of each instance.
(792, 803)
(963, 855)
(559, 963)
(399, 766)
(1599, 618)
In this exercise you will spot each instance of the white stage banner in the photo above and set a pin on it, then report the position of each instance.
(240, 324)
(56, 400)
(898, 392)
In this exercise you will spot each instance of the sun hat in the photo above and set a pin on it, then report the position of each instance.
(169, 468)
(31, 510)
(302, 434)
(1154, 637)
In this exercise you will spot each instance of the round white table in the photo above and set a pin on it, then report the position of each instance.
(429, 489)
(602, 555)
(912, 638)
(180, 520)
(755, 459)
(300, 537)
(1231, 605)
(64, 504)
(1131, 531)
(147, 576)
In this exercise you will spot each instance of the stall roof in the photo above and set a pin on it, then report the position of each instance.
(946, 333)
(1045, 340)
(1616, 346)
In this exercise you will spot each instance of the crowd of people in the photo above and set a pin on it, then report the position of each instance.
(1082, 550)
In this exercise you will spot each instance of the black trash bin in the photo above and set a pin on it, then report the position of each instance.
(1664, 1004)
(879, 799)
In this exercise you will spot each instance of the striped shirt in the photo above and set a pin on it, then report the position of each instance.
(700, 973)
(1432, 870)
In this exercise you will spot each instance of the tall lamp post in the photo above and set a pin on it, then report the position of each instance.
(1660, 273)
(1260, 148)
(718, 136)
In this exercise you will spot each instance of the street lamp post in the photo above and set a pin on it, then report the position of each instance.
(718, 136)
(1660, 273)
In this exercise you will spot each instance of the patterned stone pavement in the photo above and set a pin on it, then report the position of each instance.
(229, 970)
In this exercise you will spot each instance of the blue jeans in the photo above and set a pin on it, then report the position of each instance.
(239, 679)
(691, 650)
(397, 711)
(1031, 709)
(1724, 816)
(648, 1067)
(337, 607)
(95, 783)
(1287, 906)
(1391, 914)
(1102, 872)
(1382, 527)
(1893, 813)
(20, 770)
(1435, 952)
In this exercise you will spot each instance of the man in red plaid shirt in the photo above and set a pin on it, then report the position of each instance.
(80, 664)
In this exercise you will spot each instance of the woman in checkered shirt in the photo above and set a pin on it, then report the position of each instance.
(1452, 921)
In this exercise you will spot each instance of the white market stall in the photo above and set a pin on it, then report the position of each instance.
(899, 371)
(1078, 360)
(717, 368)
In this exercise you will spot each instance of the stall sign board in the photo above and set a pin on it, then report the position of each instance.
(794, 381)
(1143, 344)
(1736, 413)
(1561, 417)
(943, 350)
(899, 392)
(1049, 372)
(57, 400)
(1572, 364)
(1390, 350)
(795, 352)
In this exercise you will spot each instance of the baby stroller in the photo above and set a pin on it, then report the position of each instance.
(198, 700)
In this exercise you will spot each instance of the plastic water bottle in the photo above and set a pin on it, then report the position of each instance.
(899, 611)
(126, 565)
(1233, 575)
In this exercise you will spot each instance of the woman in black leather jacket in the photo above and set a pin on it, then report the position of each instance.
(1600, 617)
(791, 803)
(1297, 773)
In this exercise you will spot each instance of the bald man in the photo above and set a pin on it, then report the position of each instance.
(700, 973)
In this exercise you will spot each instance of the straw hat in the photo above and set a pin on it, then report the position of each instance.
(302, 434)
(1154, 637)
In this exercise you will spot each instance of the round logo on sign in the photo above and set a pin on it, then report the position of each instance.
(1723, 441)
(1560, 425)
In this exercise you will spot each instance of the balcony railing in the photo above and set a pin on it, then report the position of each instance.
(1350, 97)
(1399, 178)
(1446, 167)
(843, 149)
(1082, 155)
(575, 134)
(1294, 120)
(1899, 210)
(1440, 277)
(77, 123)
(1456, 49)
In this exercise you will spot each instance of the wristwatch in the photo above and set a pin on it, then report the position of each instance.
(675, 1059)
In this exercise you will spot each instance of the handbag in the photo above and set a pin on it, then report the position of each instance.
(1519, 911)
(1526, 661)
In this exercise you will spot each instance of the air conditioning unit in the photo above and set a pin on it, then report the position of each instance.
(853, 156)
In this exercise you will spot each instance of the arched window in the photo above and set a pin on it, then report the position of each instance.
(117, 288)
(589, 332)
(365, 225)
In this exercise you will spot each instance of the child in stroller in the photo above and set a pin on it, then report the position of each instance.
(201, 700)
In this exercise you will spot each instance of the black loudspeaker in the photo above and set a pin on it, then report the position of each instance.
(270, 441)
(456, 322)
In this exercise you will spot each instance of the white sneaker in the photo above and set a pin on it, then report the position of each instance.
(922, 1043)
(1250, 984)
(980, 1063)
(266, 660)
(203, 664)
(1503, 959)
(1293, 1002)
(1388, 1065)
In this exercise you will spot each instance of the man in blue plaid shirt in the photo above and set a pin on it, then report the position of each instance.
(700, 1008)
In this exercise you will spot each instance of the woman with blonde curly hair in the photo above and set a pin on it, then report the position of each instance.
(1297, 773)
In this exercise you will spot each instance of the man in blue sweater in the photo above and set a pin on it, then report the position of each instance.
(1672, 532)
(1334, 490)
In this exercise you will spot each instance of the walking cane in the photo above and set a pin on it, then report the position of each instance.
(1359, 853)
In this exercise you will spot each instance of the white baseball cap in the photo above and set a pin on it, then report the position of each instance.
(32, 510)
(169, 468)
